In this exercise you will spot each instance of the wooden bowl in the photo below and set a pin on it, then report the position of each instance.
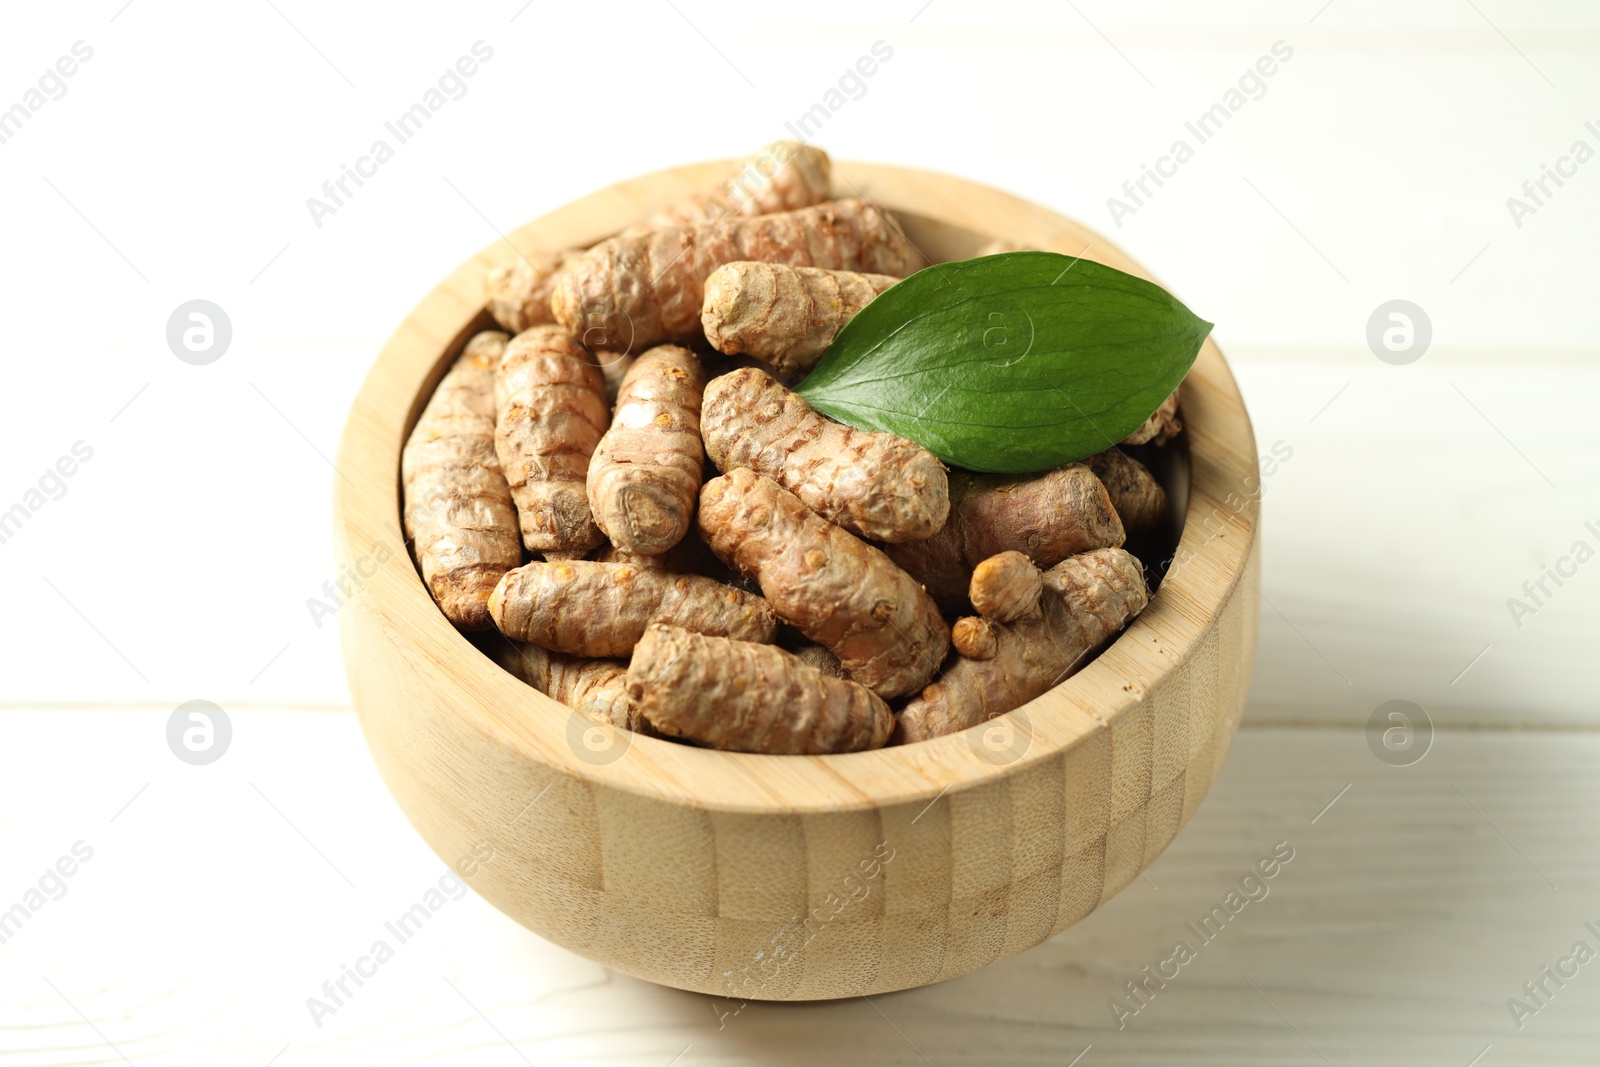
(797, 877)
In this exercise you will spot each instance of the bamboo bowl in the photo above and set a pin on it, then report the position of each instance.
(798, 877)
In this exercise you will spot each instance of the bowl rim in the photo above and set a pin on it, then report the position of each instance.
(1221, 522)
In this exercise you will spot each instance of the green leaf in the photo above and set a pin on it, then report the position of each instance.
(1009, 363)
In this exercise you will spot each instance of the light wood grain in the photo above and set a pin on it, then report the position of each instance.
(204, 922)
(631, 860)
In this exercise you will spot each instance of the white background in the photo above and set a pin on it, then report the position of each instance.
(178, 165)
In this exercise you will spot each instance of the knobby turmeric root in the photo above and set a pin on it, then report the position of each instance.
(1162, 425)
(1140, 501)
(785, 317)
(595, 688)
(975, 637)
(552, 405)
(1048, 517)
(783, 176)
(644, 476)
(1006, 586)
(602, 609)
(638, 289)
(1083, 601)
(458, 510)
(875, 484)
(519, 295)
(839, 591)
(748, 697)
(819, 658)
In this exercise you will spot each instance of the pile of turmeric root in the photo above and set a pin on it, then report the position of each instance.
(813, 588)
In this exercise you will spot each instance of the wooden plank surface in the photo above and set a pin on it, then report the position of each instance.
(219, 898)
(1416, 504)
(1377, 165)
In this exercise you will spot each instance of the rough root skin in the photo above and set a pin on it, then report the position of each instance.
(783, 176)
(1086, 600)
(786, 317)
(820, 658)
(875, 484)
(975, 638)
(519, 295)
(584, 608)
(1162, 425)
(746, 697)
(458, 510)
(839, 591)
(1140, 501)
(645, 475)
(552, 411)
(1006, 587)
(1047, 517)
(595, 688)
(639, 289)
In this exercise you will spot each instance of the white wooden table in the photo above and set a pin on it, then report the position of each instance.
(218, 900)
(177, 561)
